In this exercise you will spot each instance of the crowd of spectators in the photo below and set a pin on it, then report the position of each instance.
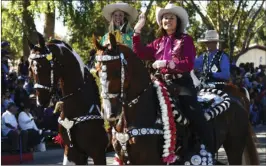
(254, 80)
(23, 123)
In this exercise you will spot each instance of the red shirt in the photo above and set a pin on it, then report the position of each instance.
(183, 51)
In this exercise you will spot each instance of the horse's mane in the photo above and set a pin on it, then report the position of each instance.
(56, 41)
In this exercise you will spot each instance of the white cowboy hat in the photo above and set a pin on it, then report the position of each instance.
(109, 9)
(177, 10)
(210, 36)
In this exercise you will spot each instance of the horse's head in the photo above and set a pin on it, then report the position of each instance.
(42, 68)
(112, 67)
(123, 78)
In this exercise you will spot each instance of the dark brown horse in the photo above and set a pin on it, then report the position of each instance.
(130, 102)
(83, 132)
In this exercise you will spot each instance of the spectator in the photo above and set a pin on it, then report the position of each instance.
(21, 95)
(7, 99)
(27, 123)
(11, 129)
(23, 67)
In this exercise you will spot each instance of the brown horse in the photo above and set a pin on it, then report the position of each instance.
(130, 102)
(83, 132)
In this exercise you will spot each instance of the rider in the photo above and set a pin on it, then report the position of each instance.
(174, 52)
(214, 64)
(120, 15)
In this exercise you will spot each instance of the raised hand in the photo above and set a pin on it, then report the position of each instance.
(140, 24)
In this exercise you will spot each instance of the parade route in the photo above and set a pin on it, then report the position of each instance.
(55, 157)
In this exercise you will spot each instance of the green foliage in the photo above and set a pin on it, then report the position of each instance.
(12, 29)
(84, 18)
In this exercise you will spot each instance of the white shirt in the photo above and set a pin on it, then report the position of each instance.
(25, 122)
(9, 118)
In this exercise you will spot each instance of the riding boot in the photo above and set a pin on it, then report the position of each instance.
(198, 122)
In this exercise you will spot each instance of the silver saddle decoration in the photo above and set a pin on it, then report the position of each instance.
(122, 137)
(66, 123)
(203, 158)
(208, 96)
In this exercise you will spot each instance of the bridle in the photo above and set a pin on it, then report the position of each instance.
(103, 77)
(51, 61)
(53, 86)
(66, 123)
(123, 137)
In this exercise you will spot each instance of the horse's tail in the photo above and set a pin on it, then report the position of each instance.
(250, 155)
(247, 93)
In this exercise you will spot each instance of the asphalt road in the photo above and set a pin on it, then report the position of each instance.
(55, 157)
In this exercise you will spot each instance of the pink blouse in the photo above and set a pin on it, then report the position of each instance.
(182, 52)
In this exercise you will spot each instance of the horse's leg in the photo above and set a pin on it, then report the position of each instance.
(99, 157)
(65, 160)
(234, 148)
(250, 156)
(236, 138)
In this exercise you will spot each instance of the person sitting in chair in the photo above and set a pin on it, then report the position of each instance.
(27, 123)
(214, 63)
(10, 128)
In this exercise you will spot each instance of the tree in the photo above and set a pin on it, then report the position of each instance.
(17, 25)
(232, 20)
(29, 29)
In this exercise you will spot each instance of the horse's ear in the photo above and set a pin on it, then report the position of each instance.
(112, 40)
(41, 40)
(31, 46)
(96, 43)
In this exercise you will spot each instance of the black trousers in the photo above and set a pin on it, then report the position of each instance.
(34, 138)
(187, 96)
(13, 138)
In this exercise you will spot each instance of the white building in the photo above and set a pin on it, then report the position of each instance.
(254, 54)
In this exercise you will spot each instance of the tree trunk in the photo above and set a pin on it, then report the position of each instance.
(49, 25)
(29, 29)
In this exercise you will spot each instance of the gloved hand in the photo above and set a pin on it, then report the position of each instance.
(140, 24)
(159, 64)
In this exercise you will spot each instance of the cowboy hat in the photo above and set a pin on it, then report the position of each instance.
(177, 10)
(210, 36)
(110, 8)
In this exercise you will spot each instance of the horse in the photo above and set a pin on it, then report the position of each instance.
(130, 103)
(56, 63)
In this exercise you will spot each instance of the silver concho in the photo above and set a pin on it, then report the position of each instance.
(143, 131)
(214, 68)
(187, 163)
(203, 163)
(122, 137)
(202, 146)
(104, 75)
(104, 68)
(151, 131)
(209, 154)
(203, 152)
(210, 163)
(196, 160)
(135, 132)
(204, 159)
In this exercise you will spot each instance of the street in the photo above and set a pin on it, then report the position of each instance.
(55, 157)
